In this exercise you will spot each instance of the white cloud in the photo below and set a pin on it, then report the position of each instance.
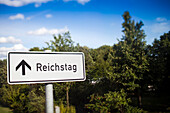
(79, 1)
(37, 5)
(9, 39)
(83, 1)
(20, 16)
(17, 16)
(48, 15)
(45, 31)
(160, 19)
(160, 27)
(19, 3)
(29, 18)
(16, 47)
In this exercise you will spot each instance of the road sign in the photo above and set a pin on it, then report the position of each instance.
(45, 67)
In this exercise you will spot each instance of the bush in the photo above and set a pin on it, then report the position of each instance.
(112, 101)
(65, 109)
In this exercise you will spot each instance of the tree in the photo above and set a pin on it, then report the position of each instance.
(108, 102)
(15, 97)
(20, 98)
(3, 79)
(36, 49)
(36, 97)
(127, 63)
(3, 72)
(159, 60)
(63, 43)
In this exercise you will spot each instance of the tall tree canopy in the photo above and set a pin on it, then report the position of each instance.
(129, 61)
(159, 58)
(124, 66)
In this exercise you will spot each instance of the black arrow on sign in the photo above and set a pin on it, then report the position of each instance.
(23, 64)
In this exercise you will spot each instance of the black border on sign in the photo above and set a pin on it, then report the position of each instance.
(45, 81)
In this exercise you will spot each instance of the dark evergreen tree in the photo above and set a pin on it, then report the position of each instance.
(159, 60)
(129, 61)
(124, 67)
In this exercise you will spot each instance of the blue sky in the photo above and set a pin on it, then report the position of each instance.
(93, 23)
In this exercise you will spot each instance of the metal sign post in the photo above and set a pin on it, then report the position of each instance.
(49, 98)
(49, 107)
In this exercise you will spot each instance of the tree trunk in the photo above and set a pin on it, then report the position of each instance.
(67, 90)
(139, 99)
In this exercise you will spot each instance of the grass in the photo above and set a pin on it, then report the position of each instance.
(5, 110)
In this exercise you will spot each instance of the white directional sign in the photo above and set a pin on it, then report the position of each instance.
(43, 67)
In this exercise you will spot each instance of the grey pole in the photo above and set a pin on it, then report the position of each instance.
(49, 98)
(49, 95)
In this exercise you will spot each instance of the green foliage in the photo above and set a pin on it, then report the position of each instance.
(20, 98)
(36, 99)
(3, 72)
(131, 109)
(15, 97)
(24, 98)
(36, 49)
(109, 102)
(159, 59)
(112, 101)
(62, 43)
(129, 63)
(60, 93)
(123, 66)
(63, 109)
